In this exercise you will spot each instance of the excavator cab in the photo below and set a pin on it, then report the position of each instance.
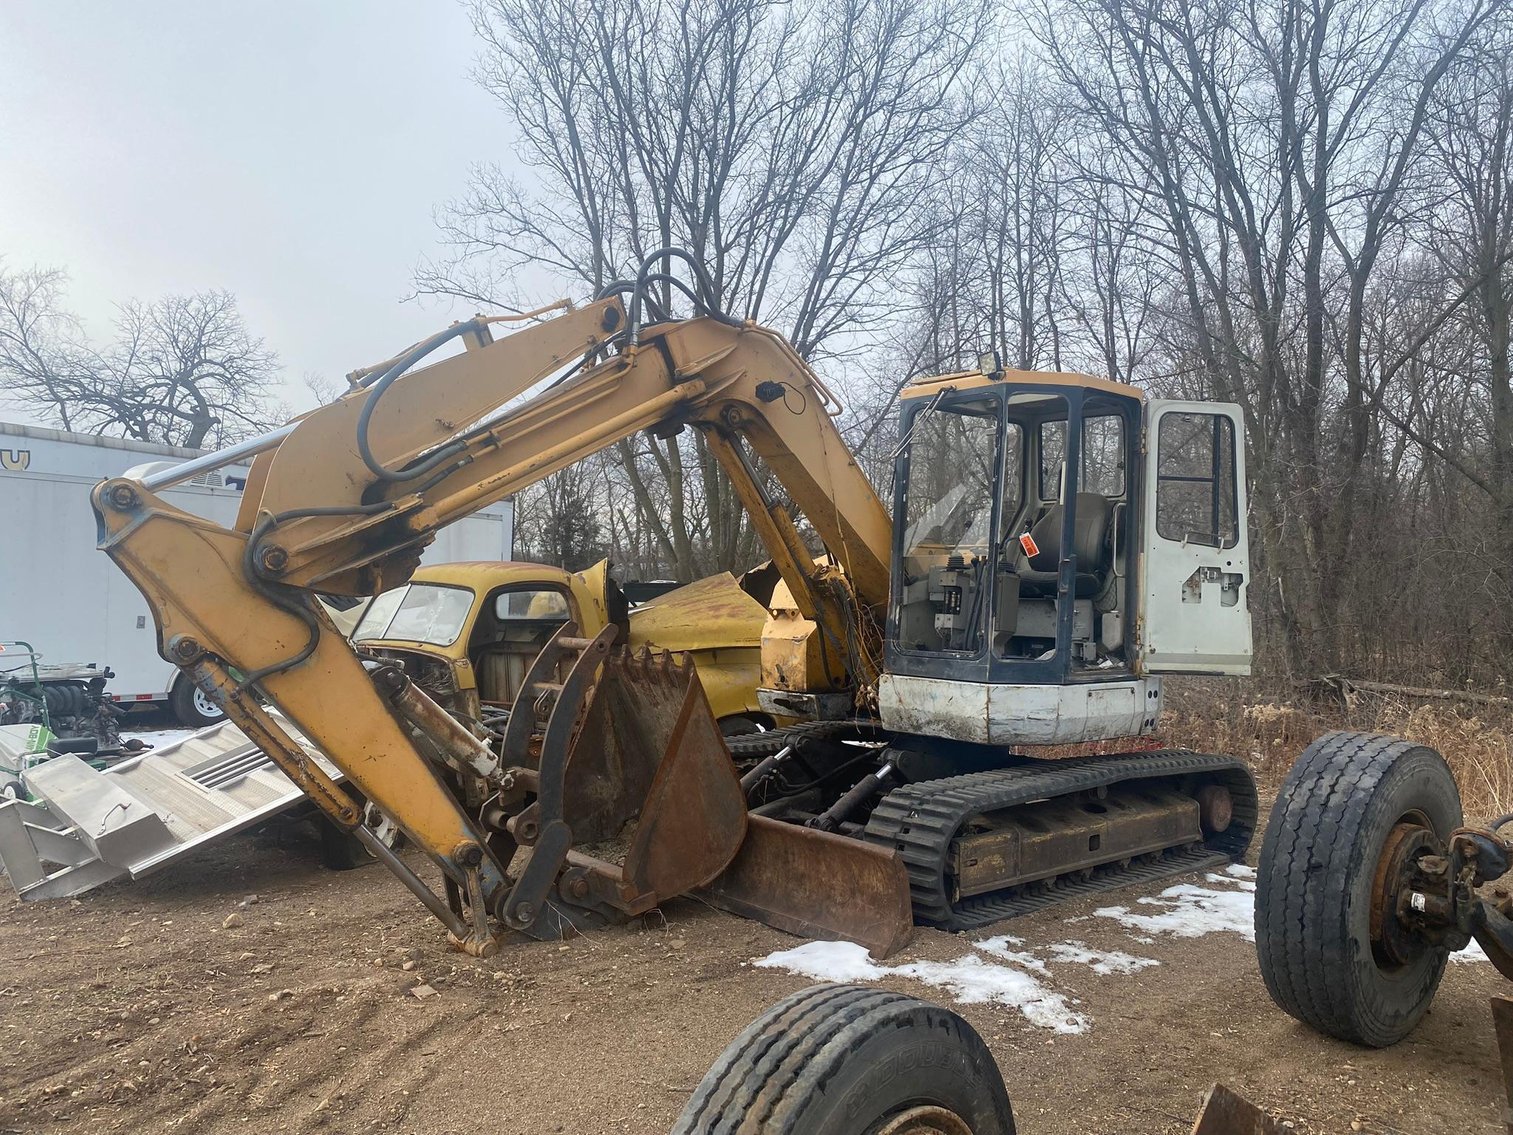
(1039, 532)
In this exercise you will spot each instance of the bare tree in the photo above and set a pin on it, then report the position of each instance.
(1273, 147)
(182, 370)
(790, 150)
(42, 364)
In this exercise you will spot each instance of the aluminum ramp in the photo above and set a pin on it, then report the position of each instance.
(86, 826)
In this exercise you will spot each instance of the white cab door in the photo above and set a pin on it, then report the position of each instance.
(1195, 566)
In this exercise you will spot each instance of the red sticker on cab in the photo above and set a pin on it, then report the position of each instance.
(1027, 542)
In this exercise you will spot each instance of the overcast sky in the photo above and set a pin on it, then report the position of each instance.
(292, 153)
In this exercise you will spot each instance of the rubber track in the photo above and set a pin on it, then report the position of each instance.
(755, 746)
(921, 820)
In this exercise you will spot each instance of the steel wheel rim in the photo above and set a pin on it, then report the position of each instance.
(205, 706)
(924, 1119)
(1393, 945)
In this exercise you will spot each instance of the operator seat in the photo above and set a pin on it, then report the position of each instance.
(1090, 544)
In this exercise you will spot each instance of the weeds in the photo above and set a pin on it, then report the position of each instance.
(1215, 716)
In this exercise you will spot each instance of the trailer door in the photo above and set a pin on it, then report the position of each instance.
(1195, 562)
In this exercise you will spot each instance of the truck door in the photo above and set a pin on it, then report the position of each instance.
(1195, 562)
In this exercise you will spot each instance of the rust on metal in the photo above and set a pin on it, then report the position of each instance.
(624, 739)
(1226, 1112)
(1491, 937)
(1502, 1021)
(694, 818)
(1040, 841)
(1391, 884)
(1216, 807)
(819, 885)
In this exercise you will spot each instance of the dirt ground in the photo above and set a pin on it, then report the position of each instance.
(135, 1008)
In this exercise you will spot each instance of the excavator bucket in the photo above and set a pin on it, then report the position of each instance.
(649, 750)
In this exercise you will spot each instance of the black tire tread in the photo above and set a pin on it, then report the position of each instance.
(1310, 852)
(758, 1084)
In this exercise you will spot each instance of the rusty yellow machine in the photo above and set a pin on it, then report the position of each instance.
(467, 632)
(1060, 541)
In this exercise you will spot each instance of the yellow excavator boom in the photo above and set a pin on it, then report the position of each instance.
(344, 500)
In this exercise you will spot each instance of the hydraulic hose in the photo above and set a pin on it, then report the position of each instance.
(377, 386)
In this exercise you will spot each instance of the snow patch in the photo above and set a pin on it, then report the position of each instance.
(1105, 962)
(1190, 911)
(826, 961)
(1243, 884)
(969, 979)
(1472, 953)
(1016, 974)
(999, 948)
(973, 981)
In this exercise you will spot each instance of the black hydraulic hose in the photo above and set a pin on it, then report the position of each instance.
(377, 387)
(644, 276)
(293, 602)
(699, 306)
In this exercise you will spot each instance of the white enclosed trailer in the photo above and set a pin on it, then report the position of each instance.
(65, 598)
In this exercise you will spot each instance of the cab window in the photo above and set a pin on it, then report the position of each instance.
(532, 605)
(1195, 480)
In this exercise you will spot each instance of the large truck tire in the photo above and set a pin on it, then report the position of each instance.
(1351, 804)
(844, 1060)
(191, 706)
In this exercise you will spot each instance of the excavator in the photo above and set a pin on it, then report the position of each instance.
(980, 669)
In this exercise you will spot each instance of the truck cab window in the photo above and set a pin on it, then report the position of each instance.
(417, 612)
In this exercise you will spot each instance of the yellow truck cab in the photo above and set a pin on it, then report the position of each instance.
(468, 632)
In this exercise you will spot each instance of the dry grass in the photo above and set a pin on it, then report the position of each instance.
(1217, 716)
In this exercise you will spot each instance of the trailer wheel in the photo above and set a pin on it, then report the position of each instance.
(1354, 809)
(843, 1060)
(12, 790)
(192, 706)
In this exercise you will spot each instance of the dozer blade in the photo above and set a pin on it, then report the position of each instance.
(1226, 1112)
(817, 885)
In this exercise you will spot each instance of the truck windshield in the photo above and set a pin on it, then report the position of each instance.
(417, 612)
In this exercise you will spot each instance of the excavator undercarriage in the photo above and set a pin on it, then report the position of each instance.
(1004, 835)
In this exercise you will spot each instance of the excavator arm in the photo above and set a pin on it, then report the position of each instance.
(345, 499)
